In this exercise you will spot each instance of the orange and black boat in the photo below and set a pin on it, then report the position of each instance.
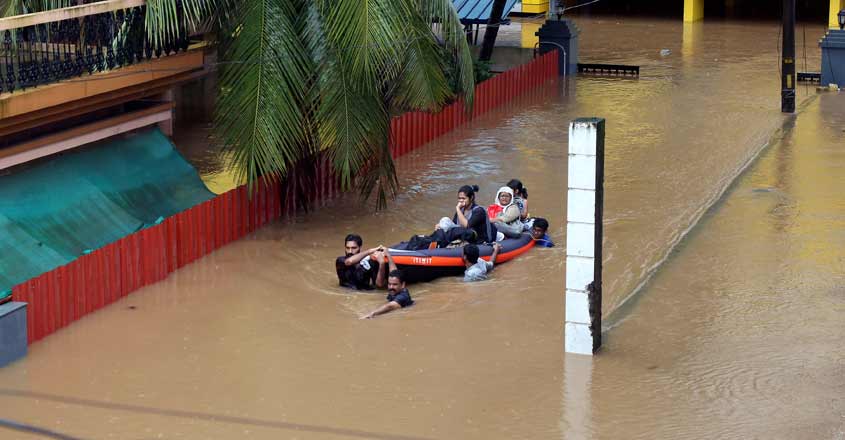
(428, 264)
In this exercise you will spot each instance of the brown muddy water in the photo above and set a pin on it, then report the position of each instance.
(737, 335)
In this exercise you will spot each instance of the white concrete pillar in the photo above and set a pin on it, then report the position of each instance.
(584, 205)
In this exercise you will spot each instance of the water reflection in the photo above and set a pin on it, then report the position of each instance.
(740, 323)
(578, 418)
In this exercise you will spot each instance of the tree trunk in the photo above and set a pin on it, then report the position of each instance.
(492, 30)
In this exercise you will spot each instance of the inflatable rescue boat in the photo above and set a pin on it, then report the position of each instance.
(428, 264)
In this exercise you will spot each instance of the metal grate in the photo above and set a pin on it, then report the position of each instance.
(50, 52)
(609, 69)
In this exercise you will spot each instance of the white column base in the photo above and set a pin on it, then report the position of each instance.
(578, 339)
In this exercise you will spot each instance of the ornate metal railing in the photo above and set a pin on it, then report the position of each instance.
(44, 53)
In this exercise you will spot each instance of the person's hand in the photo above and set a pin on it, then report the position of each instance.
(378, 256)
(387, 252)
(497, 247)
(437, 226)
(367, 316)
(459, 206)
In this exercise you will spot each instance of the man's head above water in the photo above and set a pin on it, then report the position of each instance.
(470, 254)
(353, 243)
(395, 281)
(539, 228)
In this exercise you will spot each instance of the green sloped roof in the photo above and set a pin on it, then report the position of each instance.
(53, 211)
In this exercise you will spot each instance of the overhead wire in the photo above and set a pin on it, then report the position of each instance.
(32, 429)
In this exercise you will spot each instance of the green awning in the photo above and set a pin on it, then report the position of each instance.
(60, 207)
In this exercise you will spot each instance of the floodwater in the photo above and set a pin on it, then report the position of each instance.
(737, 334)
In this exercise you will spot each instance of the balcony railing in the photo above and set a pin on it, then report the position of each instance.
(91, 36)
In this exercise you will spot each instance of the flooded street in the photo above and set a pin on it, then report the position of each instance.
(737, 335)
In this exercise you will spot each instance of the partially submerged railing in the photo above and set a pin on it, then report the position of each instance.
(91, 36)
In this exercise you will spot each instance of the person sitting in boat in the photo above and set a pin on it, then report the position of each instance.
(477, 268)
(397, 294)
(539, 227)
(508, 220)
(468, 215)
(520, 197)
(358, 269)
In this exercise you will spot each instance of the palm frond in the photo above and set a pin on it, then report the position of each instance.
(368, 34)
(454, 39)
(259, 110)
(46, 5)
(380, 177)
(351, 121)
(9, 8)
(349, 115)
(422, 84)
(306, 76)
(163, 20)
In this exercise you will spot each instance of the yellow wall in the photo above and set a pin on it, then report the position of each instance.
(835, 7)
(694, 10)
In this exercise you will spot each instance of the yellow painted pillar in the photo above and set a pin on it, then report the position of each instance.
(835, 7)
(693, 10)
(535, 6)
(527, 37)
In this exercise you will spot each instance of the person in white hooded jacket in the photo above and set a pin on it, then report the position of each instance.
(507, 222)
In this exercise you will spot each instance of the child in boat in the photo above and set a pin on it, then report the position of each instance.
(508, 220)
(520, 197)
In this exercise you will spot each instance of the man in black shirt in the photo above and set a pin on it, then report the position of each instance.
(397, 295)
(357, 269)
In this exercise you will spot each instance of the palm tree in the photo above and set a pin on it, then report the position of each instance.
(301, 78)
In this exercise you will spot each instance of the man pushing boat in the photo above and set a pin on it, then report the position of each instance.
(358, 269)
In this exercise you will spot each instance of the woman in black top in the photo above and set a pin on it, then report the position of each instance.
(468, 217)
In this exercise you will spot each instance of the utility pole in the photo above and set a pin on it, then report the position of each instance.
(787, 85)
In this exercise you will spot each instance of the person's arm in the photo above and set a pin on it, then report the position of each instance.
(390, 260)
(381, 277)
(496, 248)
(524, 214)
(459, 215)
(384, 269)
(387, 307)
(355, 259)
